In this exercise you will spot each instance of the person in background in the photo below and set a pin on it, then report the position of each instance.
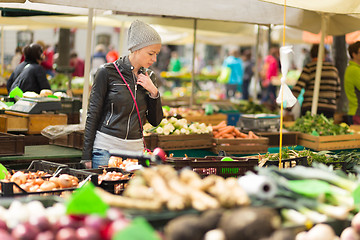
(114, 121)
(98, 59)
(48, 60)
(352, 83)
(234, 62)
(16, 59)
(78, 65)
(329, 90)
(248, 66)
(29, 75)
(175, 64)
(112, 54)
(270, 69)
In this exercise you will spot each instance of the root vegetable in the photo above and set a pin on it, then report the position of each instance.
(355, 222)
(321, 232)
(349, 233)
(125, 202)
(47, 186)
(65, 181)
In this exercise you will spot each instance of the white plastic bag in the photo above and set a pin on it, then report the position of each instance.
(285, 95)
(56, 131)
(254, 88)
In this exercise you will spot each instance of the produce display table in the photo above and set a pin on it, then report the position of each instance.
(42, 152)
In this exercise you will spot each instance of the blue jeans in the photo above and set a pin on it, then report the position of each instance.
(100, 157)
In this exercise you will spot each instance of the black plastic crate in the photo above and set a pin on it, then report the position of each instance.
(7, 188)
(213, 165)
(80, 174)
(286, 163)
(46, 166)
(112, 186)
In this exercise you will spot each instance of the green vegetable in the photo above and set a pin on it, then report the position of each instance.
(319, 125)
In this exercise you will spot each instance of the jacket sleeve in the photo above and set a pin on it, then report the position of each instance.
(9, 82)
(154, 106)
(40, 75)
(96, 102)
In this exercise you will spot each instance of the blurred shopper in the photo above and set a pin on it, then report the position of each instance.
(123, 97)
(175, 64)
(248, 66)
(48, 60)
(352, 83)
(112, 54)
(29, 75)
(78, 65)
(329, 90)
(235, 81)
(98, 59)
(269, 71)
(16, 59)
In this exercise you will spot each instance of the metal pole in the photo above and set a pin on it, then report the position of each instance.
(85, 97)
(2, 51)
(193, 66)
(324, 21)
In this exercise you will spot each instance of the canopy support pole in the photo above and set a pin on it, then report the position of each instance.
(324, 23)
(193, 66)
(85, 96)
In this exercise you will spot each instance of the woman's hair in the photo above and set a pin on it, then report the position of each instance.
(354, 48)
(33, 52)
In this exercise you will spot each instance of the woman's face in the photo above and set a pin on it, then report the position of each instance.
(146, 56)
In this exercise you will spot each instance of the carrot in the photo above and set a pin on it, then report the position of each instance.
(219, 125)
(228, 135)
(243, 135)
(252, 135)
(237, 132)
(227, 129)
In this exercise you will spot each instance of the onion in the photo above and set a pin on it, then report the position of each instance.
(4, 235)
(66, 234)
(114, 161)
(349, 233)
(65, 181)
(47, 186)
(24, 231)
(321, 232)
(55, 180)
(355, 222)
(18, 178)
(47, 235)
(87, 233)
(301, 236)
(41, 222)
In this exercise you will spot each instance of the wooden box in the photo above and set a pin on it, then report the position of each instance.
(213, 119)
(73, 140)
(29, 123)
(329, 142)
(288, 138)
(11, 144)
(180, 142)
(241, 146)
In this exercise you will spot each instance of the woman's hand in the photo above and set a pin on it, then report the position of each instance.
(145, 82)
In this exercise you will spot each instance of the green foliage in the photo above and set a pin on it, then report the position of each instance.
(319, 125)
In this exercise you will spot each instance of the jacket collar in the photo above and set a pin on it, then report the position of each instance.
(125, 64)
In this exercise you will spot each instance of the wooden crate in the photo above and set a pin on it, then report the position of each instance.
(29, 123)
(329, 142)
(11, 144)
(73, 140)
(241, 146)
(288, 138)
(213, 119)
(180, 142)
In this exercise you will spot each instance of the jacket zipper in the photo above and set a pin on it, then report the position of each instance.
(111, 113)
(128, 125)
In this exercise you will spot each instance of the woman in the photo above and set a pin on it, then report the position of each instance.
(114, 121)
(29, 75)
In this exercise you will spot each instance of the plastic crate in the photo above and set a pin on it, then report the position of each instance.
(7, 188)
(112, 186)
(213, 165)
(286, 163)
(233, 118)
(49, 167)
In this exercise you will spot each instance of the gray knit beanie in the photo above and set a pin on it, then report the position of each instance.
(141, 35)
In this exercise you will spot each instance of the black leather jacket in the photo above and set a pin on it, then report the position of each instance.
(111, 108)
